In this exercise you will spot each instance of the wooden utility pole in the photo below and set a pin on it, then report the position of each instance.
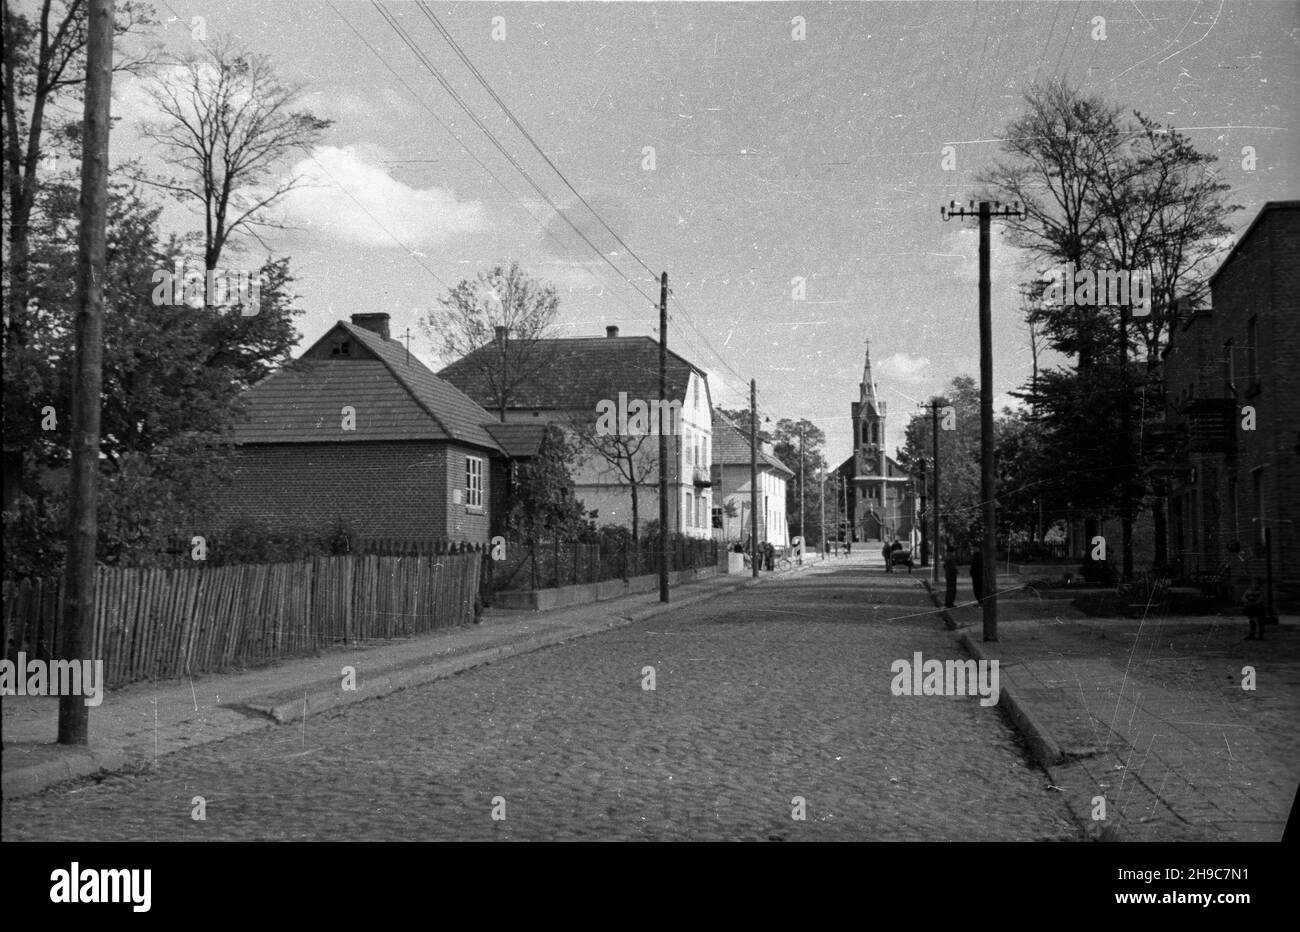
(87, 373)
(663, 438)
(986, 211)
(803, 531)
(821, 526)
(753, 476)
(934, 431)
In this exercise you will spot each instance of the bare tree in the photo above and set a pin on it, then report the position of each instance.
(44, 72)
(502, 308)
(229, 124)
(632, 463)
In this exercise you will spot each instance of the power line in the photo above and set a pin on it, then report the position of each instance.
(393, 236)
(424, 8)
(432, 69)
(456, 136)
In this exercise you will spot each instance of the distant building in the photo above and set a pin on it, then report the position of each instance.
(575, 383)
(731, 486)
(880, 504)
(358, 430)
(1231, 378)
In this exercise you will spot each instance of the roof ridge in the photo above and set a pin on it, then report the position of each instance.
(366, 336)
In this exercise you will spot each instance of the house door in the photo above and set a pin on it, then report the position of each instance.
(871, 527)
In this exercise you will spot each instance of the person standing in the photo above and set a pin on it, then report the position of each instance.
(950, 576)
(977, 575)
(1253, 603)
(884, 552)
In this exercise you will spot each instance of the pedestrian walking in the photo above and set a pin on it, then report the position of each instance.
(977, 575)
(848, 548)
(950, 576)
(884, 552)
(1253, 603)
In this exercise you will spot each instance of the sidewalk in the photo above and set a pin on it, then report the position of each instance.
(141, 722)
(1150, 714)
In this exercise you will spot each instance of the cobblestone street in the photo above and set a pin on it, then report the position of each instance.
(781, 690)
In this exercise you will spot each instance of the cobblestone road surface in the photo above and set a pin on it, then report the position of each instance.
(779, 691)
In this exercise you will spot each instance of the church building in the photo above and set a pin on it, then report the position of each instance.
(879, 502)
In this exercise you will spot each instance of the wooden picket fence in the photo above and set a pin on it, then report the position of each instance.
(160, 623)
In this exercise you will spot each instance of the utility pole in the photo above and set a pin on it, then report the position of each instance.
(986, 211)
(821, 525)
(663, 438)
(803, 531)
(934, 504)
(87, 374)
(753, 476)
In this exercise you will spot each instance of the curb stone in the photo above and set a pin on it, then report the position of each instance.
(1046, 750)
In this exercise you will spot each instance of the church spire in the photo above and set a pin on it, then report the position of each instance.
(867, 388)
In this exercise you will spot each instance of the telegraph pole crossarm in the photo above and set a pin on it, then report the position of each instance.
(986, 211)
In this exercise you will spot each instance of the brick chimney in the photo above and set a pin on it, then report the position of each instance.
(611, 332)
(501, 333)
(375, 323)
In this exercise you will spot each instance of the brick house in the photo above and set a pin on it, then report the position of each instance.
(357, 429)
(1231, 478)
(731, 487)
(567, 381)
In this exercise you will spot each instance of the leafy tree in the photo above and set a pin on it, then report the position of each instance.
(1105, 192)
(789, 439)
(471, 318)
(959, 461)
(172, 382)
(542, 499)
(44, 73)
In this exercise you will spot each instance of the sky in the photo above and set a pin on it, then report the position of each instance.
(736, 146)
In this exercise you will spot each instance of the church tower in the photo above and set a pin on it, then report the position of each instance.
(870, 496)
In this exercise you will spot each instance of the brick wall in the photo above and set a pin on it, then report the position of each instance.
(1260, 281)
(384, 489)
(465, 521)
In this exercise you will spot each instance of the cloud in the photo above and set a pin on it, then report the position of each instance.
(348, 196)
(901, 367)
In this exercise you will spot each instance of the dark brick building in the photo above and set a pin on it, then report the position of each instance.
(1232, 377)
(357, 429)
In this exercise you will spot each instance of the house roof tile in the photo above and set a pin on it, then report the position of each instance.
(395, 397)
(731, 446)
(576, 373)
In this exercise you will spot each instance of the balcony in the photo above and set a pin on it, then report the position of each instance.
(701, 476)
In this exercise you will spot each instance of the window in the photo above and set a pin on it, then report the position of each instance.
(341, 348)
(473, 482)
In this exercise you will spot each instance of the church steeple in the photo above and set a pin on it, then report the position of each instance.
(869, 429)
(868, 404)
